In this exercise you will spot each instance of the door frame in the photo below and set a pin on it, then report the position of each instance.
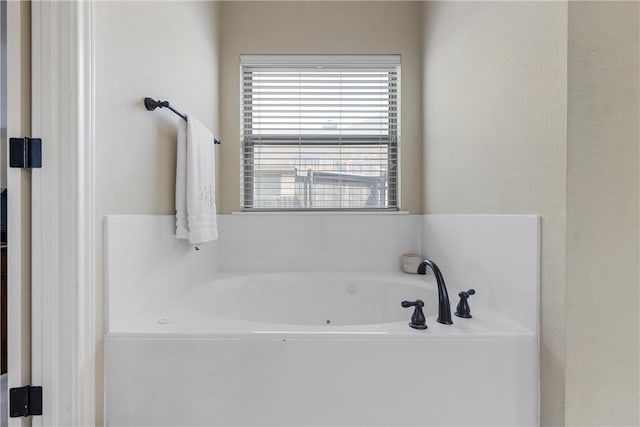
(18, 202)
(63, 233)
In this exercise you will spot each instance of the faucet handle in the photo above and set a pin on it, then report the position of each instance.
(463, 310)
(418, 321)
(416, 303)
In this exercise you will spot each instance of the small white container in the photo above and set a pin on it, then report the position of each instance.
(411, 262)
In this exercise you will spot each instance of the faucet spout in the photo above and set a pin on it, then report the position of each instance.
(444, 307)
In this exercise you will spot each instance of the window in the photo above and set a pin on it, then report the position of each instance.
(320, 132)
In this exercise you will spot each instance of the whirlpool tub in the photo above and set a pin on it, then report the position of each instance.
(311, 348)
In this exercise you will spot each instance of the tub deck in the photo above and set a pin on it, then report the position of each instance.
(171, 313)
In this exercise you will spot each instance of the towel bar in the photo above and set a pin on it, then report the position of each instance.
(151, 104)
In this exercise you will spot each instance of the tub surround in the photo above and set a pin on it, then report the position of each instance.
(148, 264)
(497, 255)
(309, 241)
(208, 322)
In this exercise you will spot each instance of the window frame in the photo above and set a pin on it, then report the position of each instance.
(250, 141)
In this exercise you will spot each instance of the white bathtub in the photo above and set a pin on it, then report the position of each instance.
(313, 348)
(310, 298)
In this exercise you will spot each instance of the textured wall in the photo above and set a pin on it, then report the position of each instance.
(602, 215)
(330, 27)
(166, 50)
(495, 123)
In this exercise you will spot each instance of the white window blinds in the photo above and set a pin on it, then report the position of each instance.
(320, 132)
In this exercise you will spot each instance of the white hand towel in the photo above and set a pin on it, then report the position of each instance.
(195, 184)
(182, 227)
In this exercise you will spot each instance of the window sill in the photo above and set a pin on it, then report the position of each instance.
(321, 213)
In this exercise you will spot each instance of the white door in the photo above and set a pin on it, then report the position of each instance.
(18, 201)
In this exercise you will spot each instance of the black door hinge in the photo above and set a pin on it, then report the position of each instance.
(25, 401)
(25, 152)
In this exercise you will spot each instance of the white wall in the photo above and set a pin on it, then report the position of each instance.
(495, 82)
(322, 27)
(166, 50)
(603, 194)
